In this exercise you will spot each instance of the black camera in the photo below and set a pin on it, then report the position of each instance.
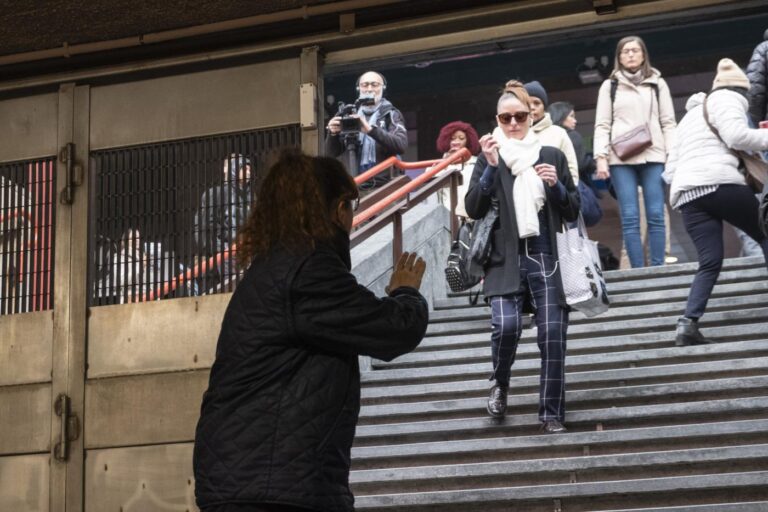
(347, 110)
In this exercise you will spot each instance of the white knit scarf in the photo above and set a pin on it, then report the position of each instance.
(528, 191)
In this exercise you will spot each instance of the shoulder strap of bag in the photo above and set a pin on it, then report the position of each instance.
(739, 154)
(614, 86)
(706, 120)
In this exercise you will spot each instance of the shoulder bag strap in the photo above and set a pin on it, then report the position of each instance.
(614, 86)
(706, 120)
(738, 153)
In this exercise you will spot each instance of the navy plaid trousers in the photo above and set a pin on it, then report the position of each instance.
(537, 272)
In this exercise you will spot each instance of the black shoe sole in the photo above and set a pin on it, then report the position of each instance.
(494, 415)
(683, 340)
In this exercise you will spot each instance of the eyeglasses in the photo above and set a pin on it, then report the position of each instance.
(372, 85)
(506, 117)
(627, 51)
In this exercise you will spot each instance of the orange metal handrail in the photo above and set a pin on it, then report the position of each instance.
(394, 161)
(438, 166)
(217, 259)
(192, 273)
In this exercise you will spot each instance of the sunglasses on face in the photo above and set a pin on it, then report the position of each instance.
(506, 117)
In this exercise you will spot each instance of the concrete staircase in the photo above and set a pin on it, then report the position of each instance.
(651, 426)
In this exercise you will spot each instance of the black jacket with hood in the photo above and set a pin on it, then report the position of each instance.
(757, 72)
(389, 132)
(279, 416)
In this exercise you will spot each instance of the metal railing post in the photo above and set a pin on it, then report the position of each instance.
(397, 240)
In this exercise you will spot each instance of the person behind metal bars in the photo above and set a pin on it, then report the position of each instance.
(279, 416)
(223, 210)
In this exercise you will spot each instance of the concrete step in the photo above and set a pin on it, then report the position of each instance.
(752, 506)
(598, 342)
(703, 435)
(598, 361)
(757, 314)
(576, 496)
(617, 313)
(631, 299)
(650, 275)
(679, 268)
(651, 426)
(576, 380)
(579, 399)
(593, 468)
(649, 280)
(481, 425)
(477, 347)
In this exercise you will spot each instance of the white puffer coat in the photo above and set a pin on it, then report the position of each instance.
(699, 158)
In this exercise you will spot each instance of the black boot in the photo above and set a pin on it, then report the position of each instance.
(688, 333)
(497, 401)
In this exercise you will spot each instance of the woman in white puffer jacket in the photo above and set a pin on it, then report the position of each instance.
(708, 186)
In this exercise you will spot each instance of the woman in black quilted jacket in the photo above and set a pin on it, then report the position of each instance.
(279, 416)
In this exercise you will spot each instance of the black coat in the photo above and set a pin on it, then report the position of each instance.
(389, 132)
(757, 72)
(502, 274)
(587, 165)
(279, 416)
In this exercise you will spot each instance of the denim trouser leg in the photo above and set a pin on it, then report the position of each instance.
(653, 194)
(626, 179)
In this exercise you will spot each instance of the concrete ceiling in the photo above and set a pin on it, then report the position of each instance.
(27, 25)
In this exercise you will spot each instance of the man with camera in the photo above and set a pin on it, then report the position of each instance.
(369, 131)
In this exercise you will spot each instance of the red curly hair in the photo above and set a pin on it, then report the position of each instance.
(447, 131)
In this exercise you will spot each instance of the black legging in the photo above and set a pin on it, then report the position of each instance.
(703, 217)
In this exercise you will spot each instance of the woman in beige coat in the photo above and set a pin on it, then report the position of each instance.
(641, 96)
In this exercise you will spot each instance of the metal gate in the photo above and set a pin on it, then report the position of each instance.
(39, 329)
(168, 186)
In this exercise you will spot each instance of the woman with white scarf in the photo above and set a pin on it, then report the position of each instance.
(535, 195)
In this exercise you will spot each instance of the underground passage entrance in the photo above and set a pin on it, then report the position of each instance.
(434, 89)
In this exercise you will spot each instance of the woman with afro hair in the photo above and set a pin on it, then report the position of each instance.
(454, 136)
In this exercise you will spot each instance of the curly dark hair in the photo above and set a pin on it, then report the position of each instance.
(295, 204)
(446, 132)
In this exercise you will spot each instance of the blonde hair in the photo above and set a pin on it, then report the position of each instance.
(514, 89)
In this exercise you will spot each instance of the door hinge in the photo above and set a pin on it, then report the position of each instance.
(70, 427)
(74, 173)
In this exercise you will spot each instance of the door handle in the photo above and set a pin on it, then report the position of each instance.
(74, 173)
(70, 427)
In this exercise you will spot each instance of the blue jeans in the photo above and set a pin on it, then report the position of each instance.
(626, 179)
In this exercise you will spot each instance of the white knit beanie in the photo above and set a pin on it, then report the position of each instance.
(729, 75)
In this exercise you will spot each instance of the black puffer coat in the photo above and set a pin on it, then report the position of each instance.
(502, 274)
(757, 72)
(279, 416)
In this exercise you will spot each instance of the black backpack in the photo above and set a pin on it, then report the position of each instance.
(457, 271)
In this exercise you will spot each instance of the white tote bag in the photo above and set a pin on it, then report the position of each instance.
(580, 271)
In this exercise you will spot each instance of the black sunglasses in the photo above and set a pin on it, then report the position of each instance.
(506, 117)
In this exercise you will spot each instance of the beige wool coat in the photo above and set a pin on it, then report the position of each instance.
(630, 110)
